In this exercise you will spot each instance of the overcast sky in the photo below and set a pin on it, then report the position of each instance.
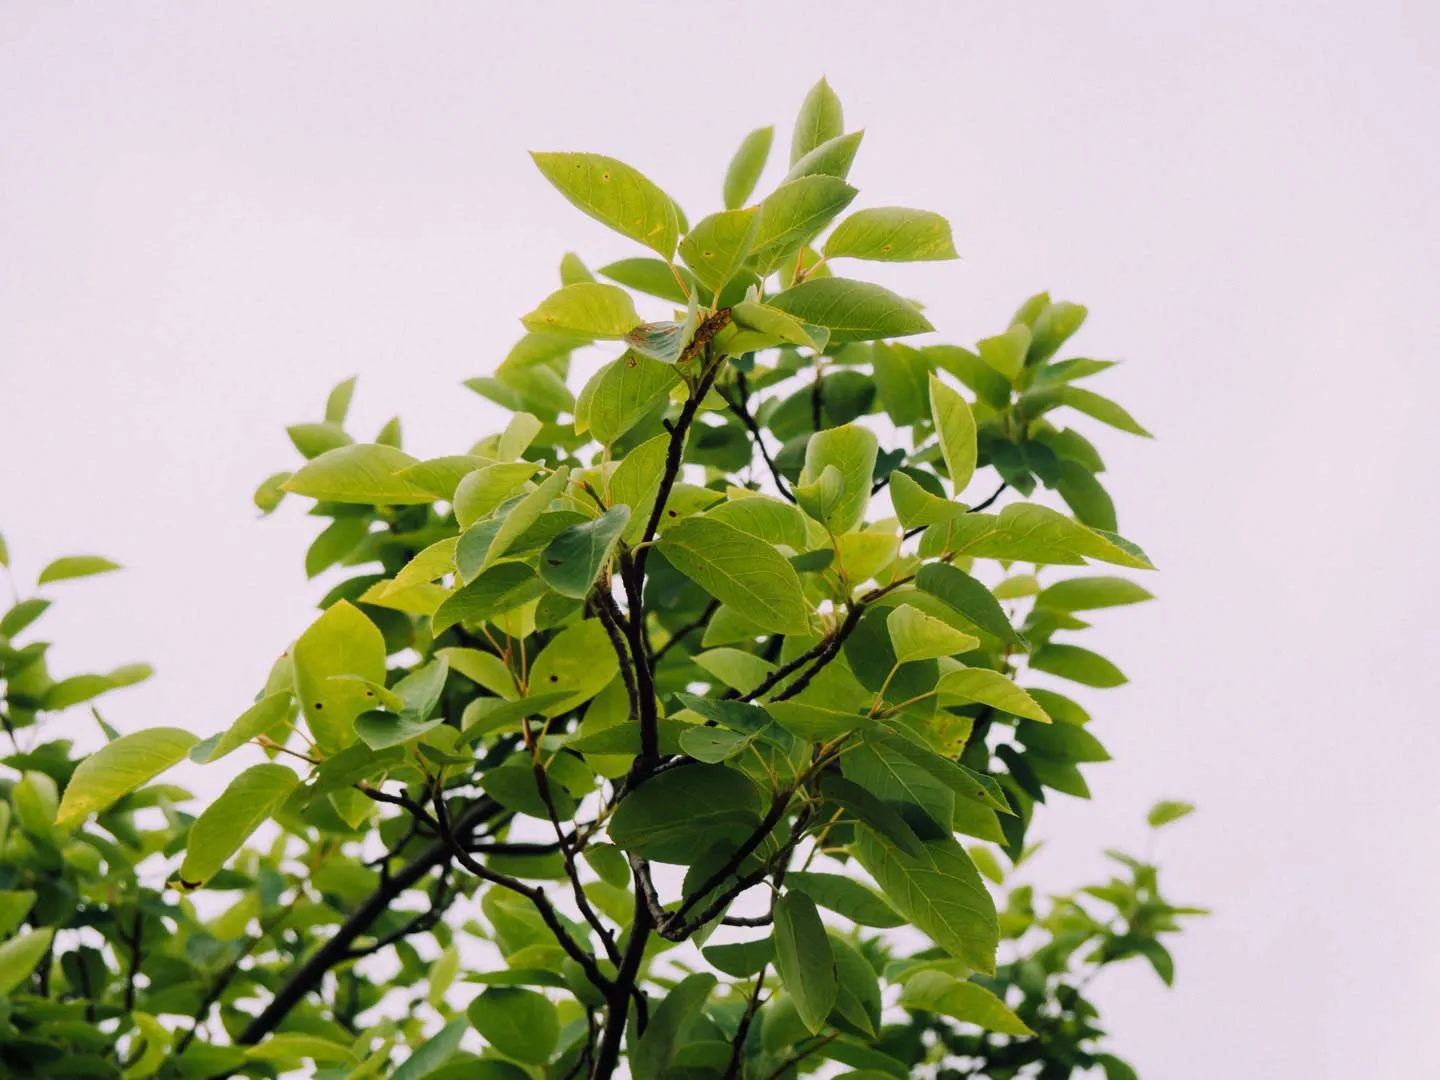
(209, 214)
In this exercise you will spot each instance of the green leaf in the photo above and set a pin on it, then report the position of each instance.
(712, 745)
(804, 959)
(1052, 327)
(22, 615)
(917, 506)
(935, 991)
(988, 384)
(20, 955)
(1038, 401)
(820, 497)
(1168, 810)
(521, 1024)
(636, 483)
(616, 195)
(744, 170)
(1063, 741)
(716, 248)
(76, 566)
(573, 269)
(337, 405)
(364, 473)
(939, 891)
(79, 688)
(833, 157)
(740, 959)
(1078, 665)
(962, 593)
(852, 450)
(270, 710)
(654, 1056)
(955, 425)
(480, 546)
(1091, 593)
(5, 550)
(586, 309)
(675, 816)
(578, 659)
(343, 641)
(519, 433)
(735, 668)
(772, 520)
(792, 214)
(993, 689)
(851, 310)
(653, 277)
(917, 636)
(770, 326)
(739, 570)
(901, 376)
(435, 1051)
(480, 492)
(845, 896)
(15, 904)
(626, 390)
(821, 119)
(814, 723)
(227, 822)
(312, 440)
(271, 491)
(496, 591)
(572, 561)
(120, 767)
(1029, 532)
(1086, 496)
(871, 810)
(892, 234)
(287, 1047)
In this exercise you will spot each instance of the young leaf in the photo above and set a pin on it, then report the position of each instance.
(993, 689)
(716, 248)
(821, 119)
(955, 425)
(804, 959)
(917, 636)
(961, 592)
(746, 166)
(935, 991)
(120, 767)
(1078, 665)
(495, 591)
(363, 473)
(570, 563)
(226, 823)
(655, 1051)
(833, 157)
(627, 389)
(75, 566)
(21, 955)
(343, 641)
(1051, 327)
(585, 310)
(892, 234)
(792, 214)
(616, 195)
(1168, 810)
(739, 570)
(573, 269)
(851, 449)
(265, 714)
(851, 310)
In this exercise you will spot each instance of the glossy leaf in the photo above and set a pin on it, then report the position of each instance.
(892, 234)
(934, 991)
(716, 248)
(792, 214)
(740, 570)
(364, 473)
(585, 310)
(851, 310)
(227, 822)
(616, 195)
(917, 636)
(120, 767)
(955, 425)
(969, 597)
(804, 959)
(851, 449)
(572, 561)
(821, 118)
(845, 896)
(672, 817)
(993, 689)
(521, 1024)
(625, 391)
(744, 170)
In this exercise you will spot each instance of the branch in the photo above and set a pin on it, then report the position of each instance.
(617, 1004)
(739, 408)
(440, 899)
(778, 805)
(737, 1047)
(312, 972)
(686, 630)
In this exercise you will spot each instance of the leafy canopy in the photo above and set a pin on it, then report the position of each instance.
(748, 642)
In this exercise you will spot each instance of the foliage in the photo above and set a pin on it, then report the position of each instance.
(621, 680)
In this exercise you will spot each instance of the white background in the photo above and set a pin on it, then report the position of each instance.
(209, 214)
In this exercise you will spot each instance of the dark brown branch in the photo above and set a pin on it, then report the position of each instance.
(737, 1046)
(686, 630)
(741, 410)
(441, 897)
(617, 1003)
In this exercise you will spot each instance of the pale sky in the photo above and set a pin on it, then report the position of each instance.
(209, 214)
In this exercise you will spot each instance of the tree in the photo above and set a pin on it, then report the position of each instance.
(676, 663)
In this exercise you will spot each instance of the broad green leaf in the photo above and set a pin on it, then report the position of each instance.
(615, 195)
(343, 641)
(312, 440)
(993, 689)
(20, 955)
(1029, 532)
(716, 248)
(1039, 401)
(1168, 810)
(337, 405)
(769, 326)
(675, 816)
(712, 745)
(858, 1001)
(1064, 741)
(120, 767)
(955, 425)
(419, 693)
(901, 376)
(822, 496)
(804, 959)
(654, 1056)
(626, 390)
(939, 891)
(364, 473)
(22, 615)
(740, 959)
(227, 822)
(792, 214)
(481, 545)
(740, 570)
(270, 710)
(892, 234)
(869, 809)
(917, 636)
(580, 660)
(293, 1046)
(815, 723)
(586, 310)
(519, 433)
(80, 688)
(653, 277)
(483, 668)
(845, 896)
(935, 991)
(15, 904)
(736, 669)
(496, 591)
(1052, 327)
(833, 157)
(36, 801)
(481, 492)
(882, 766)
(772, 520)
(851, 310)
(1086, 496)
(916, 506)
(1091, 593)
(76, 566)
(636, 483)
(429, 1056)
(821, 118)
(863, 555)
(961, 592)
(572, 561)
(988, 384)
(746, 166)
(1077, 664)
(442, 974)
(851, 449)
